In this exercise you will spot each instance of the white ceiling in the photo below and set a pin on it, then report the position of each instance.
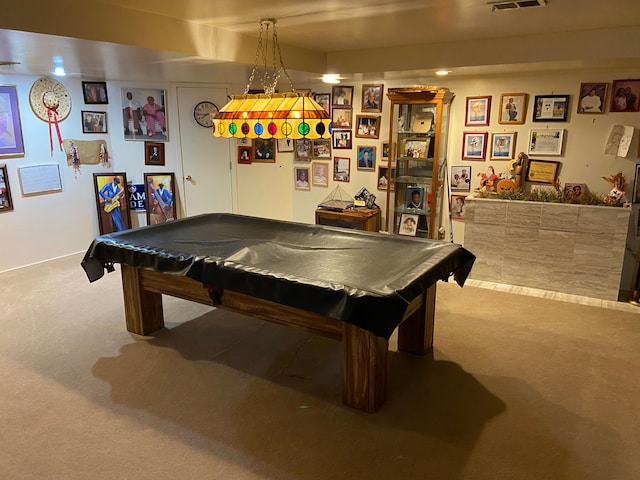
(214, 40)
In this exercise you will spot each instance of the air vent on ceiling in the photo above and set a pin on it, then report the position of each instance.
(517, 4)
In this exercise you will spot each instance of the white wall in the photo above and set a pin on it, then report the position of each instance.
(52, 225)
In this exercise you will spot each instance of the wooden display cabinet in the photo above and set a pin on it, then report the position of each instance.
(417, 156)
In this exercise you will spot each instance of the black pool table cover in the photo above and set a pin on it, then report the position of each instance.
(363, 278)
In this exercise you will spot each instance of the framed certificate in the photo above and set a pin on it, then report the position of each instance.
(542, 171)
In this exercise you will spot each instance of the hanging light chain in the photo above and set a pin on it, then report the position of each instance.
(276, 44)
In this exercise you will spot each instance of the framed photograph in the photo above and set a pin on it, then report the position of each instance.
(321, 148)
(324, 100)
(144, 114)
(372, 98)
(301, 178)
(320, 174)
(593, 97)
(11, 143)
(575, 191)
(245, 154)
(545, 141)
(542, 171)
(624, 96)
(408, 224)
(415, 197)
(513, 108)
(154, 153)
(366, 158)
(342, 96)
(636, 185)
(461, 178)
(161, 198)
(385, 150)
(415, 147)
(341, 139)
(111, 202)
(478, 111)
(264, 150)
(457, 207)
(551, 108)
(6, 202)
(94, 122)
(341, 169)
(341, 117)
(474, 145)
(95, 93)
(285, 145)
(383, 181)
(303, 149)
(503, 145)
(367, 126)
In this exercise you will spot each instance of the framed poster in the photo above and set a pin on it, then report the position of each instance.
(161, 205)
(111, 202)
(624, 96)
(367, 126)
(542, 171)
(372, 98)
(320, 174)
(144, 114)
(474, 145)
(593, 97)
(154, 153)
(341, 169)
(503, 145)
(513, 108)
(6, 202)
(550, 108)
(11, 144)
(478, 111)
(264, 150)
(95, 93)
(545, 141)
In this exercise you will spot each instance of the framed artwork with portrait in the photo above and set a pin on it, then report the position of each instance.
(457, 207)
(342, 96)
(503, 145)
(264, 150)
(111, 202)
(324, 100)
(415, 197)
(11, 142)
(513, 108)
(593, 98)
(341, 117)
(320, 176)
(625, 95)
(461, 178)
(301, 178)
(575, 191)
(154, 153)
(341, 139)
(94, 122)
(366, 158)
(408, 224)
(478, 111)
(95, 93)
(161, 197)
(144, 114)
(341, 169)
(285, 145)
(302, 149)
(6, 202)
(372, 98)
(474, 145)
(383, 181)
(367, 126)
(245, 154)
(321, 148)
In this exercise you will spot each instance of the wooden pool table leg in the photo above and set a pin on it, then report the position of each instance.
(415, 334)
(142, 308)
(364, 369)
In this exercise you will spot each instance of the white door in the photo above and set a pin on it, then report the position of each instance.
(206, 160)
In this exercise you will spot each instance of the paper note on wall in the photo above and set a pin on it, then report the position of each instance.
(619, 140)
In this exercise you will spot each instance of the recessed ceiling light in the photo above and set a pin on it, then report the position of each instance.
(330, 78)
(443, 72)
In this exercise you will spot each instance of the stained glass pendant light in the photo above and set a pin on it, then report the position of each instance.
(270, 114)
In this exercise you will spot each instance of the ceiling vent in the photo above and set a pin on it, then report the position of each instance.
(517, 4)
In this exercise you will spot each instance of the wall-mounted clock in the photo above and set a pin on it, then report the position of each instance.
(48, 95)
(204, 112)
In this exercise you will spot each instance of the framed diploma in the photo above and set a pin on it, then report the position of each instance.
(545, 141)
(542, 171)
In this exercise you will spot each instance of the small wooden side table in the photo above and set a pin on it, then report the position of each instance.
(357, 218)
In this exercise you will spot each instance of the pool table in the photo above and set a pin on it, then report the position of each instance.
(354, 286)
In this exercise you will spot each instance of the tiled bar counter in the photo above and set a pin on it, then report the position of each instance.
(575, 249)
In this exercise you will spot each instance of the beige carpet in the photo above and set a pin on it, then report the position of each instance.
(517, 388)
